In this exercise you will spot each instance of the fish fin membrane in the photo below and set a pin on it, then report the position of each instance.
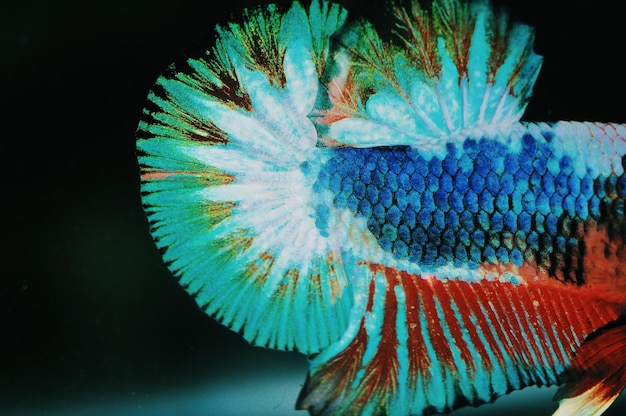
(228, 160)
(420, 345)
(598, 371)
(446, 70)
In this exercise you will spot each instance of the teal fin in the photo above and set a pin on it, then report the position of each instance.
(448, 69)
(228, 159)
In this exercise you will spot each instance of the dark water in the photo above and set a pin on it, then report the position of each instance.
(91, 322)
(268, 390)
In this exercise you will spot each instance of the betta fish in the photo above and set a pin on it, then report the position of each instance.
(371, 198)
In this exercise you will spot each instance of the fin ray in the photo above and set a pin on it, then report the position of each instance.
(597, 374)
(459, 347)
(234, 212)
(458, 67)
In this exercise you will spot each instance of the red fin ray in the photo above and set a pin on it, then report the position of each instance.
(597, 373)
(439, 343)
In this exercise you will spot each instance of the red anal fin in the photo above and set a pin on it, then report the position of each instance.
(419, 344)
(598, 371)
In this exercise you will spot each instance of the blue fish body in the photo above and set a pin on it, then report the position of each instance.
(484, 200)
(377, 204)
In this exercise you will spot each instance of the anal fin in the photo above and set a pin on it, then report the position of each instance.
(424, 344)
(598, 373)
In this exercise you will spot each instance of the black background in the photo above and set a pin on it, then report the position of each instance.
(88, 313)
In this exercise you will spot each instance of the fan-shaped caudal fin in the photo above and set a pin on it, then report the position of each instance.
(228, 159)
(598, 371)
(423, 345)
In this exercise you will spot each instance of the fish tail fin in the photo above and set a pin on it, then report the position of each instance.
(448, 68)
(228, 161)
(598, 373)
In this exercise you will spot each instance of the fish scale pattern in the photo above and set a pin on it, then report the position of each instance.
(480, 203)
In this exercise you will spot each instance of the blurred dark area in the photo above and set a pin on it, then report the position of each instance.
(88, 311)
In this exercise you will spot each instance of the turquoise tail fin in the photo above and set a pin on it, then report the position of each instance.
(228, 159)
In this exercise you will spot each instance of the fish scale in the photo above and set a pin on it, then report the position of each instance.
(481, 203)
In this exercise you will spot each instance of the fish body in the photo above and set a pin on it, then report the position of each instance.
(521, 199)
(494, 246)
(378, 205)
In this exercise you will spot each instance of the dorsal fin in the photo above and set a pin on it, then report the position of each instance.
(449, 68)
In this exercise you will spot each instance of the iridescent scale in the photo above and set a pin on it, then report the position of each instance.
(482, 202)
